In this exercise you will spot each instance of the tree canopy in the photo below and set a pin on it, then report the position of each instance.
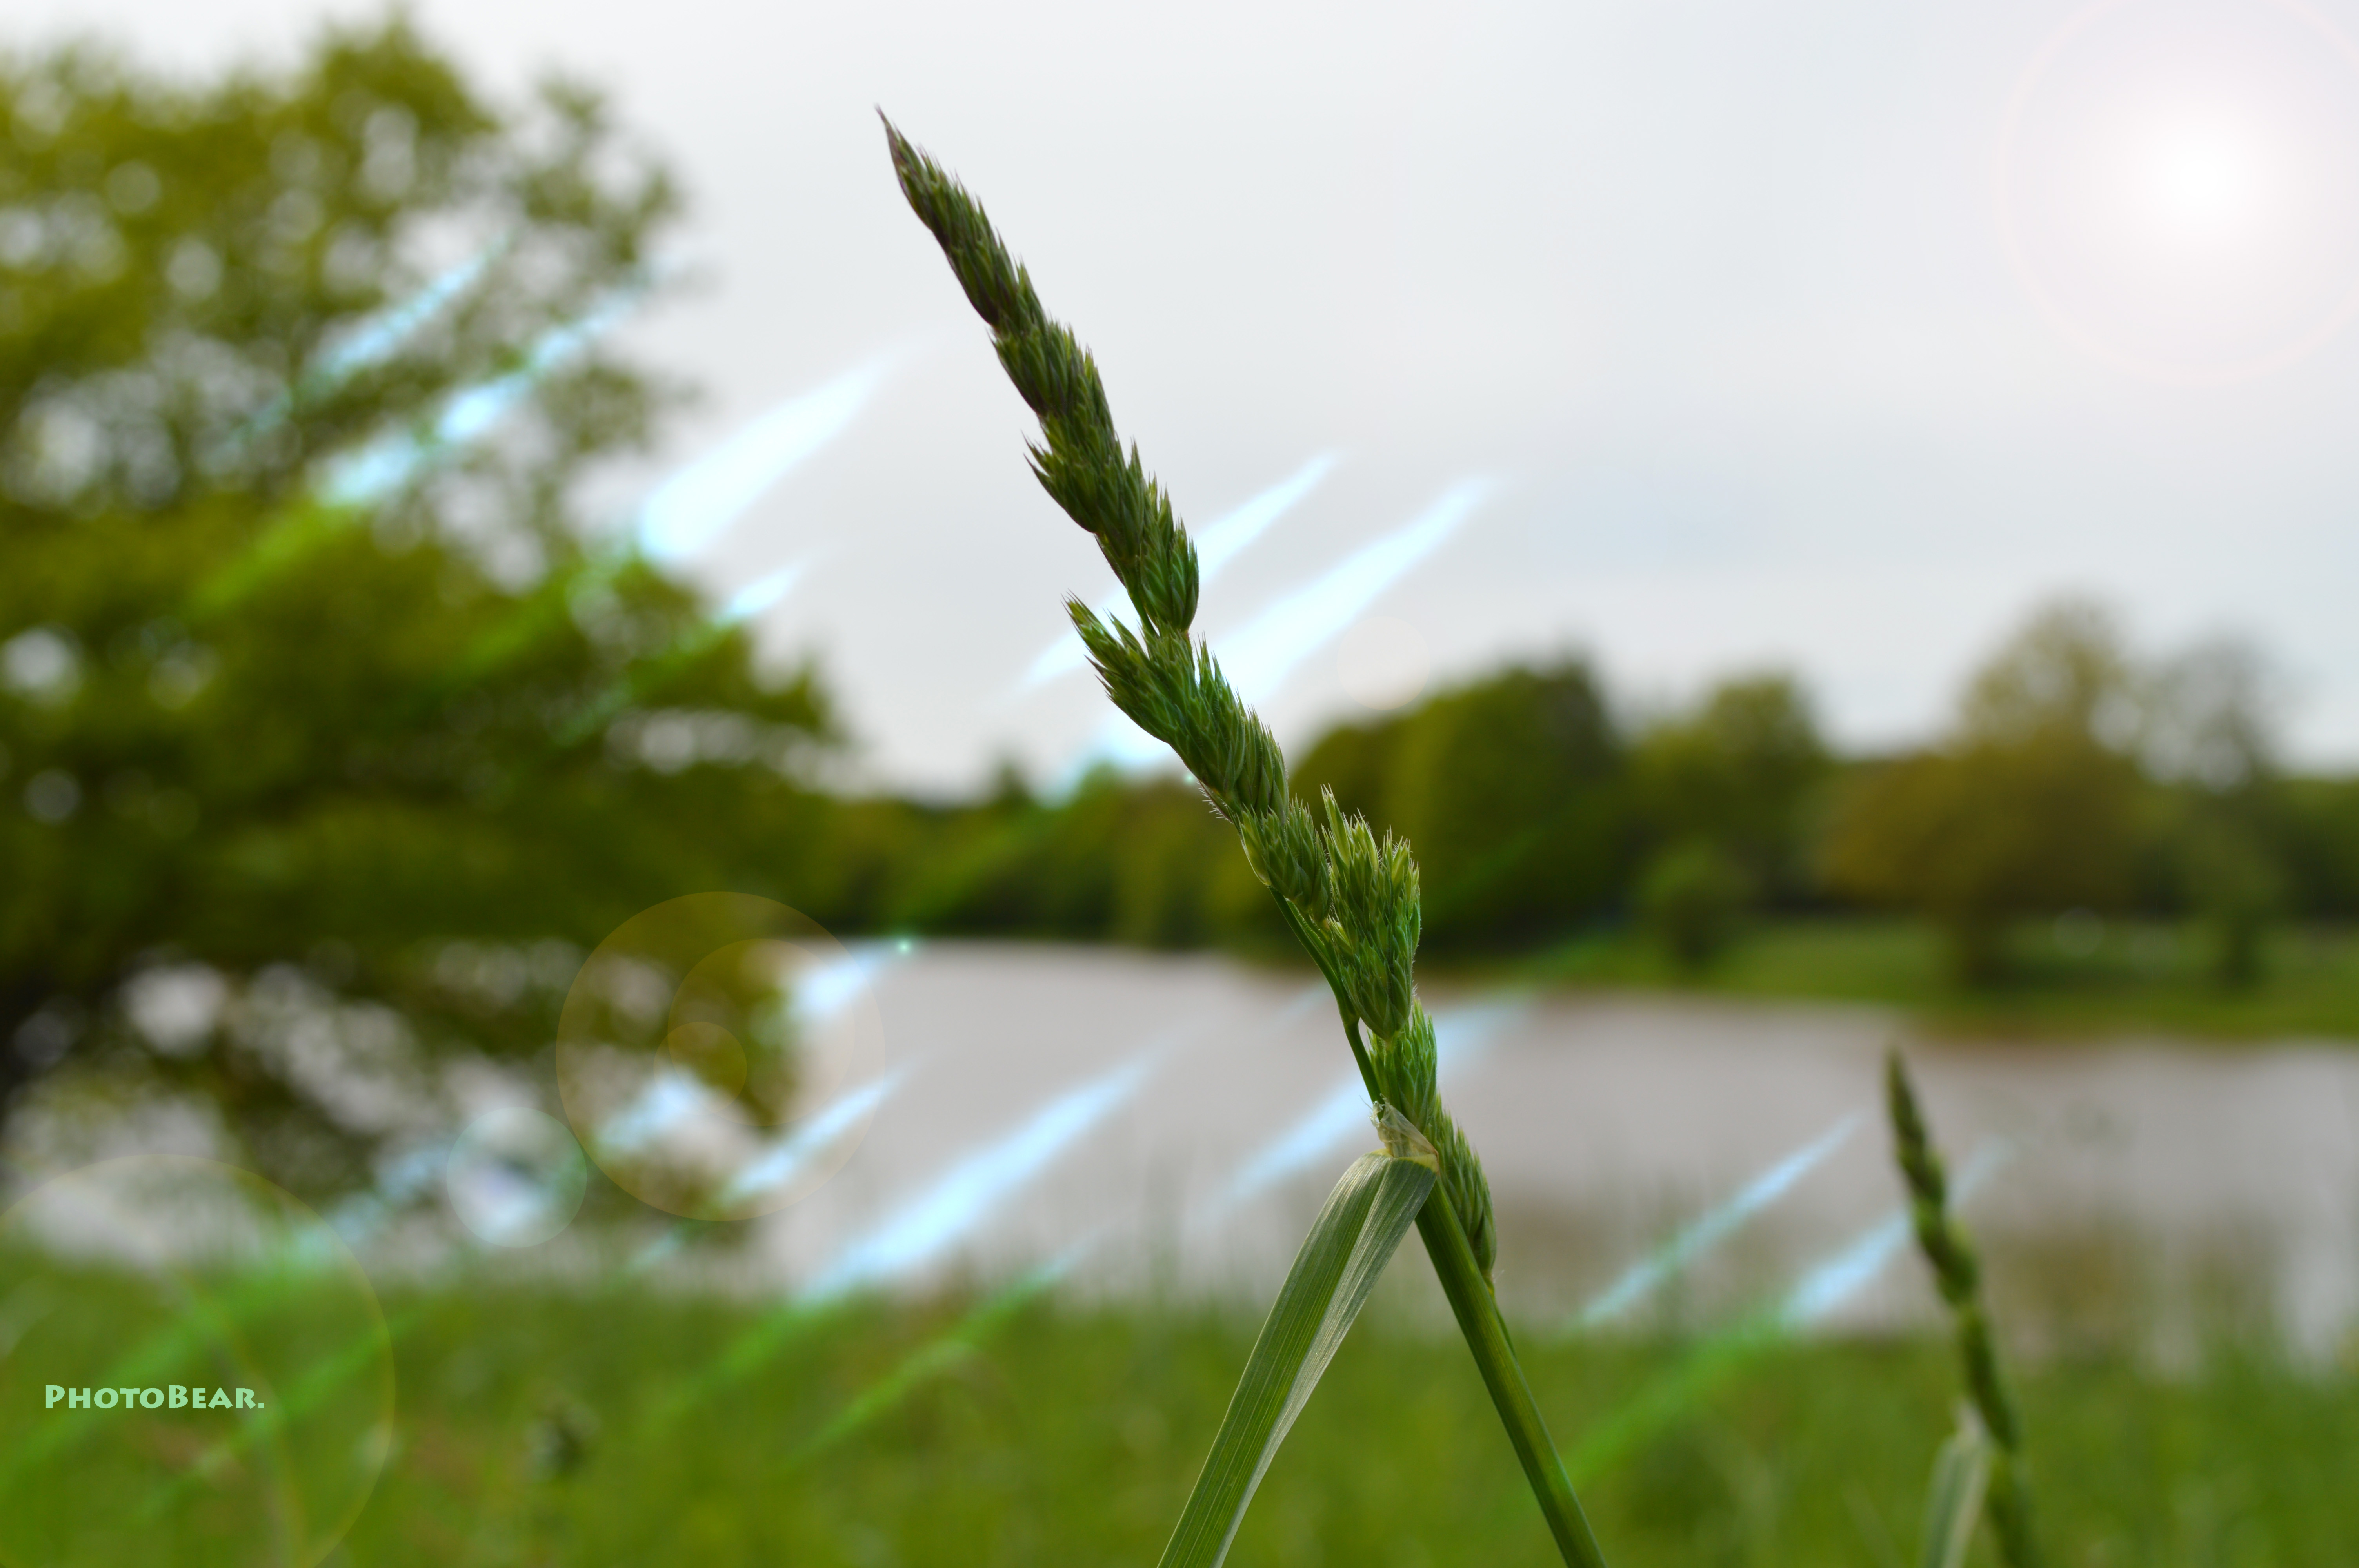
(327, 713)
(2037, 804)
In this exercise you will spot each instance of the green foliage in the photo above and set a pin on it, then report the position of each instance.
(2078, 778)
(1742, 773)
(1734, 804)
(1355, 764)
(2319, 832)
(2029, 808)
(333, 755)
(2234, 884)
(1532, 815)
(1069, 1436)
(2146, 976)
(1693, 898)
(1142, 862)
(1512, 789)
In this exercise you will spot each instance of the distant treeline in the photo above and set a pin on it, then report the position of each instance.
(2073, 779)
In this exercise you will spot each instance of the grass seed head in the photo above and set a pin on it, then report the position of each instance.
(1082, 466)
(1407, 1064)
(1286, 851)
(1958, 1276)
(1359, 899)
(1000, 291)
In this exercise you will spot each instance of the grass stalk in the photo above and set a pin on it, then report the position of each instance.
(1475, 1305)
(1351, 900)
(1476, 1309)
(2006, 1502)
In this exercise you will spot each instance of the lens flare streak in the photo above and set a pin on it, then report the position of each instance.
(939, 1353)
(952, 1208)
(696, 505)
(682, 515)
(925, 1227)
(1817, 1294)
(1259, 657)
(761, 594)
(380, 471)
(371, 342)
(1710, 1229)
(1461, 1036)
(380, 336)
(670, 1097)
(789, 1156)
(818, 997)
(648, 673)
(361, 480)
(1220, 544)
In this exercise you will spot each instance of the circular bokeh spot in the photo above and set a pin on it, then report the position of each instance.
(2178, 184)
(193, 1368)
(719, 1055)
(711, 1052)
(516, 1177)
(1384, 661)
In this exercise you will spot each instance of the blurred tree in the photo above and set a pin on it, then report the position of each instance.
(2209, 736)
(1692, 899)
(1133, 860)
(1513, 790)
(2029, 808)
(2237, 889)
(327, 742)
(2064, 672)
(2320, 845)
(1739, 773)
(1356, 761)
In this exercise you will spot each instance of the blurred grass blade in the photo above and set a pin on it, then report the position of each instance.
(1960, 1471)
(1363, 1220)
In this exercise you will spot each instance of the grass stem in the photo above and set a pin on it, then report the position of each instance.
(1477, 1311)
(1350, 900)
(1475, 1305)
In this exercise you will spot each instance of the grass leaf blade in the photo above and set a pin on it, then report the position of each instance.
(1354, 1235)
(1960, 1471)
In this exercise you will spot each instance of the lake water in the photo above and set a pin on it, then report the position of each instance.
(1171, 1123)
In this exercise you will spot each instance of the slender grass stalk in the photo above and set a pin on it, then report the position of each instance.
(2006, 1502)
(1352, 901)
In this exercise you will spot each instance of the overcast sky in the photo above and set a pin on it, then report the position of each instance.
(1702, 336)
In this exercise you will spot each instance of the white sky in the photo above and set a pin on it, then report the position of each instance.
(1831, 334)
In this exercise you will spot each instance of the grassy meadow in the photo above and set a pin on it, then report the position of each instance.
(584, 1424)
(315, 784)
(1070, 1434)
(2135, 977)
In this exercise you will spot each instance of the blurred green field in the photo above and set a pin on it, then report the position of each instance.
(1070, 1435)
(2139, 976)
